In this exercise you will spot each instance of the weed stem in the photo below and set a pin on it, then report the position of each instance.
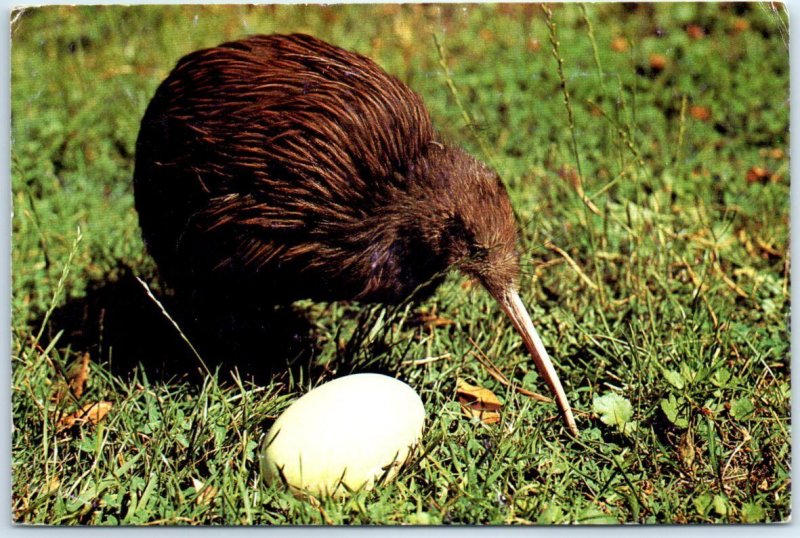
(551, 26)
(487, 151)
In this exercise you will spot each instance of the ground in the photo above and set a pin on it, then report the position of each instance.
(645, 149)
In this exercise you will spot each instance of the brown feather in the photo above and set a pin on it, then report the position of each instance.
(288, 168)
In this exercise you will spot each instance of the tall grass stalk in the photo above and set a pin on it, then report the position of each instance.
(587, 202)
(681, 132)
(34, 216)
(595, 52)
(632, 124)
(60, 286)
(468, 119)
(551, 27)
(623, 134)
(600, 74)
(174, 323)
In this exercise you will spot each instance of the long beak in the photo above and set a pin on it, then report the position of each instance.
(512, 305)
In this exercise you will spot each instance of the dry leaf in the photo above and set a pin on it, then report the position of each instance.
(480, 395)
(700, 113)
(619, 44)
(205, 493)
(78, 374)
(657, 62)
(686, 450)
(695, 32)
(740, 25)
(758, 174)
(478, 402)
(91, 413)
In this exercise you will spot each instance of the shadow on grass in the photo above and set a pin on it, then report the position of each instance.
(124, 330)
(121, 327)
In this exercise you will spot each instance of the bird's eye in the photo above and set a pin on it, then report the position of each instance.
(477, 252)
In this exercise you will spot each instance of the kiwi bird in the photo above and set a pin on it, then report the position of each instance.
(281, 167)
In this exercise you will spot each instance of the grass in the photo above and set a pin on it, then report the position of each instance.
(673, 295)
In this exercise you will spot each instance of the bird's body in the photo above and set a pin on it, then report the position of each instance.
(311, 171)
(281, 167)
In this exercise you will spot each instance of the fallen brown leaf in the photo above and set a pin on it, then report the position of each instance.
(480, 395)
(658, 62)
(78, 374)
(75, 380)
(619, 44)
(686, 450)
(695, 32)
(700, 113)
(91, 413)
(758, 174)
(740, 25)
(478, 402)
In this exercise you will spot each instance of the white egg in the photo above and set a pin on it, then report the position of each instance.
(345, 434)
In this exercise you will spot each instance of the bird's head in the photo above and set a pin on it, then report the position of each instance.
(479, 236)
